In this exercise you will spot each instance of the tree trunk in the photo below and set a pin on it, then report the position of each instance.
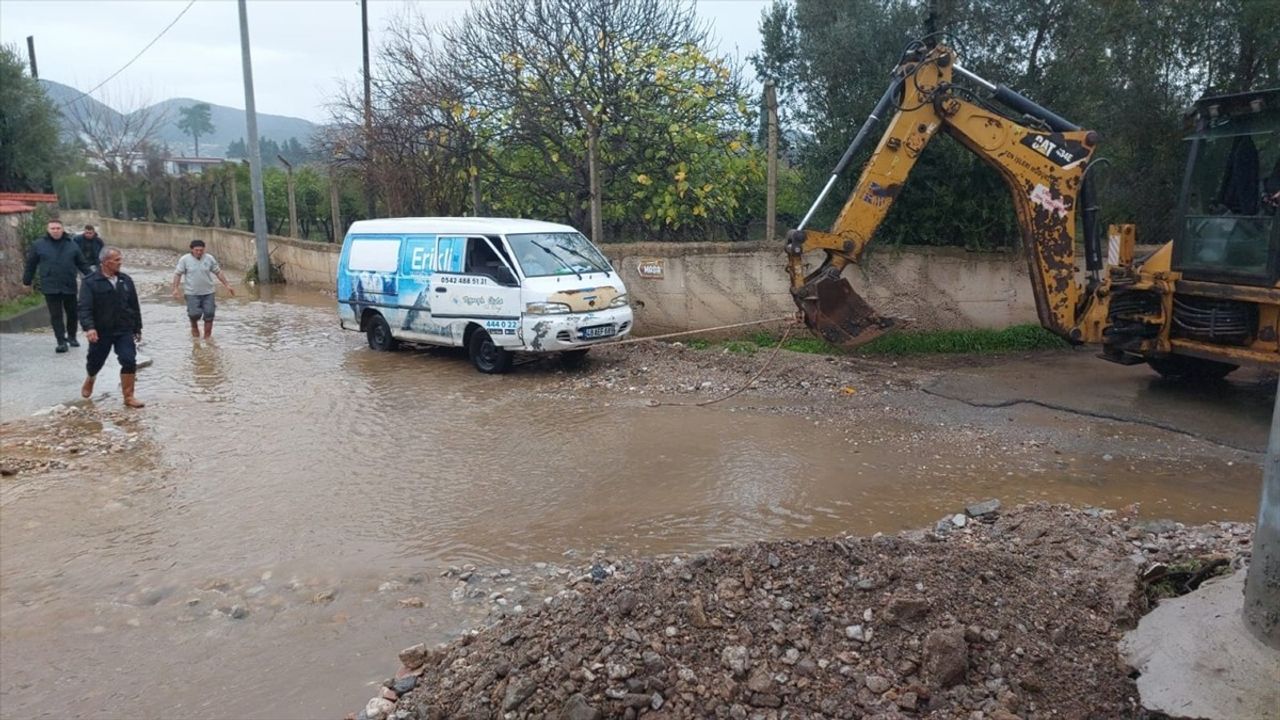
(217, 219)
(476, 210)
(106, 193)
(593, 169)
(173, 200)
(151, 210)
(196, 137)
(124, 205)
(597, 203)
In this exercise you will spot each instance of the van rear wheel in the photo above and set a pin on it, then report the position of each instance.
(379, 334)
(487, 356)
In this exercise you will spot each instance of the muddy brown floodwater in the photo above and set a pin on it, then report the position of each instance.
(275, 522)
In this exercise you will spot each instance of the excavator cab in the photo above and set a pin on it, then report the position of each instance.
(1230, 231)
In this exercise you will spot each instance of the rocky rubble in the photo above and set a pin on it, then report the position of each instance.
(1011, 615)
(67, 437)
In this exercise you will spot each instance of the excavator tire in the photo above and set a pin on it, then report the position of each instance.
(1181, 367)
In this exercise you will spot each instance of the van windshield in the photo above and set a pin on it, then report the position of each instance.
(542, 254)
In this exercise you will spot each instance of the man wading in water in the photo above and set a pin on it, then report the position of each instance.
(111, 319)
(195, 273)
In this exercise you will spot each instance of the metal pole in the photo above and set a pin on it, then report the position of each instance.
(255, 154)
(369, 199)
(1262, 584)
(31, 55)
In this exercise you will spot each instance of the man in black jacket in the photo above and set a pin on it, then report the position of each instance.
(90, 244)
(111, 318)
(58, 258)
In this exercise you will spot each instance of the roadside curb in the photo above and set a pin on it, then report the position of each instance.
(29, 319)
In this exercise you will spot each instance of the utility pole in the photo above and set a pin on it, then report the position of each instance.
(771, 182)
(1262, 584)
(255, 154)
(31, 55)
(368, 110)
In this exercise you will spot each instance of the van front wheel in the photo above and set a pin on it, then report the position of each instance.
(487, 356)
(573, 359)
(379, 334)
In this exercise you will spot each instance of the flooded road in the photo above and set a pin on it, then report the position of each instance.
(285, 469)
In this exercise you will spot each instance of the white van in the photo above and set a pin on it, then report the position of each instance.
(495, 286)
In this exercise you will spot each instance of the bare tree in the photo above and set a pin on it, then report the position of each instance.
(117, 140)
(416, 149)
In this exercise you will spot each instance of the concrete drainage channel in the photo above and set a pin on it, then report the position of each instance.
(29, 319)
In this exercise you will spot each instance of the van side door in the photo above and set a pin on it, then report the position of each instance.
(414, 282)
(483, 289)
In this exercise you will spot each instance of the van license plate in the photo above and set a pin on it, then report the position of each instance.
(597, 331)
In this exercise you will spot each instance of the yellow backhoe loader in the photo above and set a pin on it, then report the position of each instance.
(1202, 305)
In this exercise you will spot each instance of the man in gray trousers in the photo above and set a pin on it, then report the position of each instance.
(193, 278)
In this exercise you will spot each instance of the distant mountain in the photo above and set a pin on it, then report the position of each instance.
(60, 95)
(228, 126)
(228, 122)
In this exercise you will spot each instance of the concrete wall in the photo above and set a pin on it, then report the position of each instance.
(709, 284)
(702, 284)
(303, 262)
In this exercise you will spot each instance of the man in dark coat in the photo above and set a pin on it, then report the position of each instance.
(112, 319)
(90, 244)
(58, 258)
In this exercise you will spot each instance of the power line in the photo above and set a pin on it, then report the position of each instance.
(135, 57)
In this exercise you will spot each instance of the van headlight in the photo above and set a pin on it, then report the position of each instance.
(546, 308)
(620, 301)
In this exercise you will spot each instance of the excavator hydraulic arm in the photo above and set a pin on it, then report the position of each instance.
(1042, 159)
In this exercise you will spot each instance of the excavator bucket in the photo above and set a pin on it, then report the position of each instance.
(838, 314)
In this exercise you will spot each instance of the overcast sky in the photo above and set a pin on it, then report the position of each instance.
(301, 48)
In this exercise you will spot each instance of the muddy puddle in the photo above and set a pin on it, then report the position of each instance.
(275, 523)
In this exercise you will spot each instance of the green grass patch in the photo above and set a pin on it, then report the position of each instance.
(1018, 338)
(12, 307)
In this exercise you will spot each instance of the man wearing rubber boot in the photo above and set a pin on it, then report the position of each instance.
(111, 319)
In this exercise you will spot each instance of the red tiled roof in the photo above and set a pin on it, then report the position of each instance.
(9, 207)
(28, 197)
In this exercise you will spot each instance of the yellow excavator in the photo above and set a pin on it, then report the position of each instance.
(1202, 305)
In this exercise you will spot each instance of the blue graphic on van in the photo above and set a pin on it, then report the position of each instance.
(419, 255)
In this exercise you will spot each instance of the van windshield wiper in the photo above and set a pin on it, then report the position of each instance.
(590, 263)
(553, 254)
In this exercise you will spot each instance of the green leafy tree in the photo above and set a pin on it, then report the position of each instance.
(622, 94)
(30, 150)
(196, 120)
